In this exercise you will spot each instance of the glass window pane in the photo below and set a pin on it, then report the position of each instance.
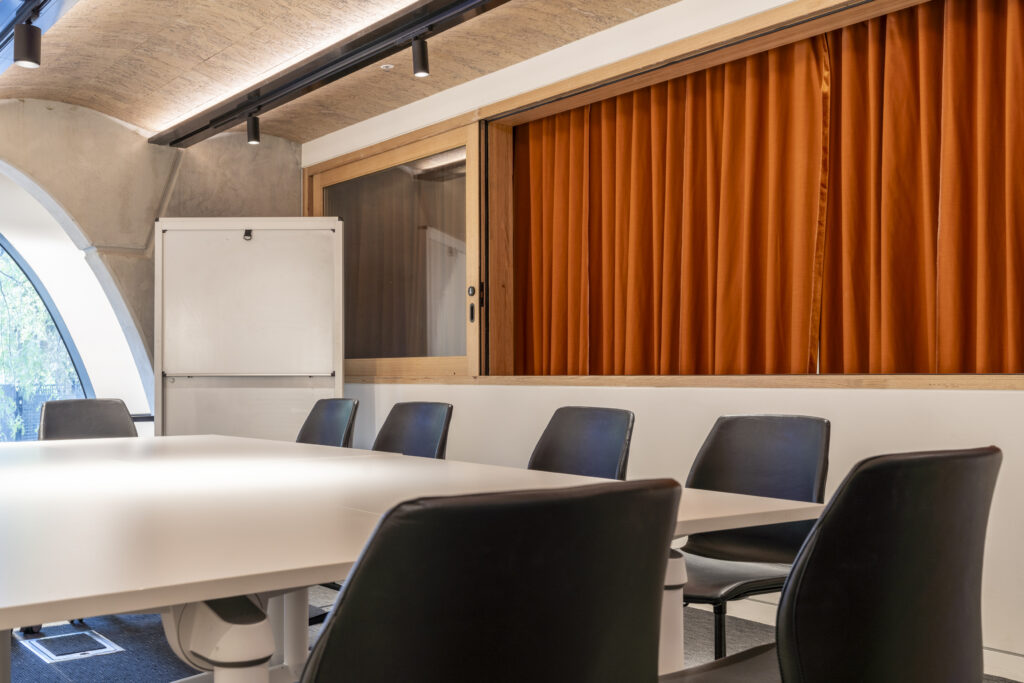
(35, 365)
(405, 258)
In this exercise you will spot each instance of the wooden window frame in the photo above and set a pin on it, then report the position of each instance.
(316, 179)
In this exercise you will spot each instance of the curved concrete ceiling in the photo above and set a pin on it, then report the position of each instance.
(153, 63)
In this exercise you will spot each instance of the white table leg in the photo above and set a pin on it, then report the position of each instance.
(5, 656)
(296, 630)
(288, 616)
(670, 647)
(275, 615)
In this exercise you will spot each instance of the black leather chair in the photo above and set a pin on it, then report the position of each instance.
(415, 428)
(85, 418)
(778, 456)
(330, 423)
(887, 588)
(592, 442)
(433, 597)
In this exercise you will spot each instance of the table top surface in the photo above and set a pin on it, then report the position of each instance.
(102, 526)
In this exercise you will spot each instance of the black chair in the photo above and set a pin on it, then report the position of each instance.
(887, 588)
(433, 597)
(416, 428)
(85, 418)
(330, 423)
(592, 442)
(777, 456)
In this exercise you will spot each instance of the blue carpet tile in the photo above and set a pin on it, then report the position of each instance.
(147, 658)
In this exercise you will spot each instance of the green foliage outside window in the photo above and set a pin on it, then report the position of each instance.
(35, 365)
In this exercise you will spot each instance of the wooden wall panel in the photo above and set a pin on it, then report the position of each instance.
(500, 257)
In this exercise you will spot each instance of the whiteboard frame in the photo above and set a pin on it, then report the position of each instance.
(163, 225)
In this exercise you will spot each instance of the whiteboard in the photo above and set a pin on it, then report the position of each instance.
(263, 306)
(258, 407)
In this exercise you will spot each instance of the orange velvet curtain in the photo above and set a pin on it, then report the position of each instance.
(677, 229)
(924, 266)
(854, 194)
(981, 193)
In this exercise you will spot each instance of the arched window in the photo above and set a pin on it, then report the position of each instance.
(38, 360)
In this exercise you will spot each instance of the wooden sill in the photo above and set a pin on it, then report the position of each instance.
(918, 382)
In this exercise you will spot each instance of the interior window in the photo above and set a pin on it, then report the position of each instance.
(405, 258)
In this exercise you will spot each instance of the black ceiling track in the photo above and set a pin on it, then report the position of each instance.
(383, 39)
(29, 11)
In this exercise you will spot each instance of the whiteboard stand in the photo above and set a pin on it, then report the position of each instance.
(248, 318)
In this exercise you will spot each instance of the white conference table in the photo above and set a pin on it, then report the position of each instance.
(102, 526)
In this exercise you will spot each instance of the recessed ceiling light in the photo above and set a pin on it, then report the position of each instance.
(387, 67)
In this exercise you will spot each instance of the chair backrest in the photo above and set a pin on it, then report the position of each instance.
(887, 588)
(416, 428)
(85, 418)
(592, 442)
(330, 422)
(778, 456)
(542, 585)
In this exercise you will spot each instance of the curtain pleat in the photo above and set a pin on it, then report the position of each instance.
(702, 231)
(878, 306)
(552, 296)
(981, 196)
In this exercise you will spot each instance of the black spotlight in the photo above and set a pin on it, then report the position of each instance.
(252, 127)
(420, 63)
(28, 44)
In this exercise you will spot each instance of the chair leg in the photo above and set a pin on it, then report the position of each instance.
(720, 630)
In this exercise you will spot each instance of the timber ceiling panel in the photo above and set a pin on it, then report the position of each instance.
(153, 63)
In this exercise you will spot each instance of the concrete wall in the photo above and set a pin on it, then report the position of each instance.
(223, 176)
(109, 184)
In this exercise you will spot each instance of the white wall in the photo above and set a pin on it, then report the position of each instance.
(500, 424)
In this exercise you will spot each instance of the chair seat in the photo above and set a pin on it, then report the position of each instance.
(709, 580)
(756, 665)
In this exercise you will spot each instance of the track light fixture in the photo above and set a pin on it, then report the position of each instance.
(252, 128)
(28, 41)
(420, 63)
(421, 20)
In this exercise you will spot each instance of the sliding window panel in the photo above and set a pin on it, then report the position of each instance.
(411, 268)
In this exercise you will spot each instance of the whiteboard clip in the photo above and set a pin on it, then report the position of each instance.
(247, 235)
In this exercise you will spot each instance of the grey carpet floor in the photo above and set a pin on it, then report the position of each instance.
(148, 659)
(740, 635)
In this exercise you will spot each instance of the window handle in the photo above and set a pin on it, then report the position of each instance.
(472, 312)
